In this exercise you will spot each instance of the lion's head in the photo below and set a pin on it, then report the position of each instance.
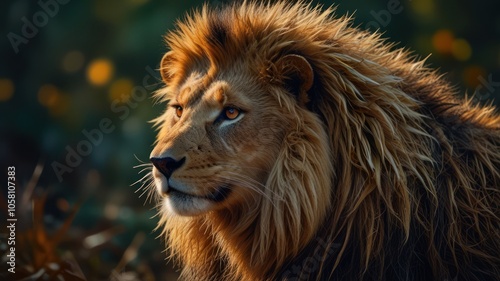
(283, 124)
(227, 139)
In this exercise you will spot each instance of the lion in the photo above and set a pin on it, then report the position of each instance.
(295, 146)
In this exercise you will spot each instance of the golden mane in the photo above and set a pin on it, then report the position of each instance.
(394, 169)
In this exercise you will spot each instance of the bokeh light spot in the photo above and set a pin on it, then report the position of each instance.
(111, 211)
(461, 49)
(48, 95)
(423, 7)
(52, 98)
(6, 89)
(443, 41)
(73, 61)
(102, 10)
(100, 71)
(61, 107)
(471, 75)
(120, 90)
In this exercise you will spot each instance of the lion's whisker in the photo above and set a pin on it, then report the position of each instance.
(146, 178)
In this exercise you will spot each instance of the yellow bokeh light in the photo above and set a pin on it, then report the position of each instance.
(48, 95)
(100, 71)
(6, 89)
(443, 41)
(51, 97)
(72, 61)
(120, 90)
(61, 107)
(461, 49)
(423, 7)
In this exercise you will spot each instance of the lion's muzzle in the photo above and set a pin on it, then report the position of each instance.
(167, 166)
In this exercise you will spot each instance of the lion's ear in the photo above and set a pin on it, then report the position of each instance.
(298, 76)
(164, 67)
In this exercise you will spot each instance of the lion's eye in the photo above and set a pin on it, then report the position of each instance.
(231, 113)
(178, 111)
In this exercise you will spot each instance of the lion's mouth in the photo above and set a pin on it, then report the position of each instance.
(219, 195)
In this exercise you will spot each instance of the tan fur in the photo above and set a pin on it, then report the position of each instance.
(380, 157)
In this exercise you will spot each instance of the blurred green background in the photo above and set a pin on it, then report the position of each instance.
(68, 65)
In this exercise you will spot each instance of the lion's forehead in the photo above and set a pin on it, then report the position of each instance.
(207, 97)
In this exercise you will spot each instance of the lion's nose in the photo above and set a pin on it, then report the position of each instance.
(167, 165)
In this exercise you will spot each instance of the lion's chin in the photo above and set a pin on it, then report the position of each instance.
(184, 204)
(187, 205)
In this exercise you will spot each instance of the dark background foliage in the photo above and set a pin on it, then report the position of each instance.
(77, 77)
